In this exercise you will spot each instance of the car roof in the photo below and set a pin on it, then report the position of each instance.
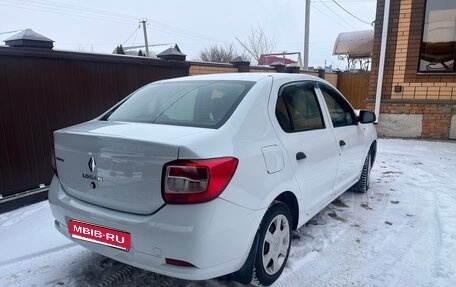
(254, 77)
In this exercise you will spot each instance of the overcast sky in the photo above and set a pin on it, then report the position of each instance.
(100, 26)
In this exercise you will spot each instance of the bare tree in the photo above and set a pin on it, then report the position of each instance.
(259, 43)
(219, 54)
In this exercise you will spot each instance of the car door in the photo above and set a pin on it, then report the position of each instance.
(309, 141)
(349, 136)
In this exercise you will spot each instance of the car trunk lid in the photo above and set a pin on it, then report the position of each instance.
(117, 165)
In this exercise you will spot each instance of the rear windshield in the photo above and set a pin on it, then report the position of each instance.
(190, 103)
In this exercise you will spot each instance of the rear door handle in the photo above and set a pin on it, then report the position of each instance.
(300, 155)
(342, 143)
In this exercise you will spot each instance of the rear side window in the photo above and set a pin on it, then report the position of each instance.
(190, 103)
(297, 108)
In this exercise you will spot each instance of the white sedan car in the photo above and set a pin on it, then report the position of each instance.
(204, 176)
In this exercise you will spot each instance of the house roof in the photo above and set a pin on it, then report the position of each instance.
(29, 38)
(172, 54)
(28, 34)
(268, 60)
(358, 44)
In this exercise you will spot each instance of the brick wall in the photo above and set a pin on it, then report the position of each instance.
(436, 122)
(430, 95)
(211, 68)
(262, 70)
(402, 56)
(391, 47)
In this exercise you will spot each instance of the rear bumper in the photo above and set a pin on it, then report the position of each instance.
(215, 237)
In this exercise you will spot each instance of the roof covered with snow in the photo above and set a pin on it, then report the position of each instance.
(28, 34)
(29, 38)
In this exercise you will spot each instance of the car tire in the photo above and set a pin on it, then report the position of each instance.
(273, 245)
(362, 185)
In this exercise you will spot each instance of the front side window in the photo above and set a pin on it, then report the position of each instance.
(297, 108)
(340, 111)
(188, 103)
(438, 47)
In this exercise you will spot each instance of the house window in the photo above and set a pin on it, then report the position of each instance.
(438, 47)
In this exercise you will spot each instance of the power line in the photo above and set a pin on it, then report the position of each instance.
(283, 43)
(351, 1)
(35, 7)
(325, 14)
(134, 32)
(348, 12)
(340, 17)
(183, 31)
(1, 33)
(101, 15)
(136, 35)
(83, 9)
(337, 15)
(127, 17)
(185, 35)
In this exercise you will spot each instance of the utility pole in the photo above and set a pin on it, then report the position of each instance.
(306, 36)
(143, 21)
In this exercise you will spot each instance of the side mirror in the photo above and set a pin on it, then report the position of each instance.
(366, 117)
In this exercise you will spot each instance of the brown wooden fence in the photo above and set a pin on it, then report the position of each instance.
(45, 90)
(355, 87)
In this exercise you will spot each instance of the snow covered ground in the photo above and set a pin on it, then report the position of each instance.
(401, 233)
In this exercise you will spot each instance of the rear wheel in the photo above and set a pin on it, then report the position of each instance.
(363, 184)
(274, 245)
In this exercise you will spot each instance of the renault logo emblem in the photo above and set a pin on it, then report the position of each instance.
(92, 164)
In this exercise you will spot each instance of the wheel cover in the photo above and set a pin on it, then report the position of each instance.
(276, 244)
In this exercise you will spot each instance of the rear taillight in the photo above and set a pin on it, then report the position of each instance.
(196, 181)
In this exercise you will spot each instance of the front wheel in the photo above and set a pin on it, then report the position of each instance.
(274, 245)
(363, 184)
